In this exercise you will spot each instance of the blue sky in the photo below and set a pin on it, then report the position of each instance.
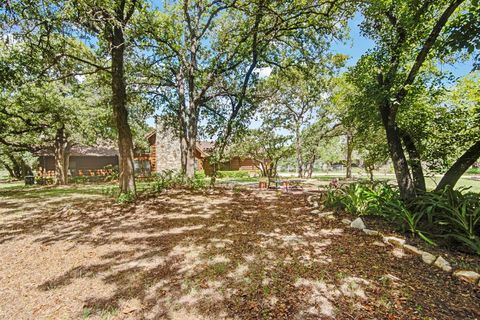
(358, 45)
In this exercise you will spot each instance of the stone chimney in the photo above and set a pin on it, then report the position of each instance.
(168, 150)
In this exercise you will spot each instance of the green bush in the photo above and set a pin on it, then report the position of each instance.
(200, 174)
(233, 174)
(170, 179)
(113, 176)
(364, 198)
(452, 216)
(110, 190)
(473, 171)
(126, 197)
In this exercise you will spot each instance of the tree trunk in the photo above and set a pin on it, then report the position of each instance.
(349, 154)
(298, 151)
(62, 159)
(369, 169)
(400, 165)
(309, 169)
(10, 171)
(120, 113)
(61, 151)
(16, 170)
(462, 164)
(190, 169)
(415, 163)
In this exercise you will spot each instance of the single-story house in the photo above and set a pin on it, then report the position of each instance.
(91, 161)
(165, 153)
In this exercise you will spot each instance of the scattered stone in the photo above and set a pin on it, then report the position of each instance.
(412, 249)
(315, 211)
(443, 264)
(390, 277)
(315, 204)
(394, 241)
(326, 214)
(398, 252)
(309, 199)
(469, 276)
(428, 258)
(371, 232)
(130, 310)
(358, 224)
(346, 221)
(378, 244)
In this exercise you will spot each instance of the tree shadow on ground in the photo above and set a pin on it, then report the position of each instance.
(217, 254)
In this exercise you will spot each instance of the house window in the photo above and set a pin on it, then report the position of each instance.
(142, 167)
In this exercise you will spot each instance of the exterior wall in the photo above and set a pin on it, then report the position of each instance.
(152, 142)
(235, 164)
(167, 151)
(79, 165)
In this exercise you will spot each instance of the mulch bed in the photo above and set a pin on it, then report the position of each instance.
(239, 254)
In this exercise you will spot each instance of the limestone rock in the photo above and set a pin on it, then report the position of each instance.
(371, 232)
(328, 215)
(346, 221)
(412, 249)
(428, 258)
(310, 199)
(394, 240)
(443, 264)
(358, 224)
(469, 276)
(378, 244)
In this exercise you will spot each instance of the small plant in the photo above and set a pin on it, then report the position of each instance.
(86, 313)
(110, 191)
(452, 214)
(170, 179)
(233, 174)
(363, 198)
(200, 174)
(126, 197)
(113, 172)
(396, 211)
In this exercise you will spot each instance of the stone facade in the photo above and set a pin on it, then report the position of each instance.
(168, 152)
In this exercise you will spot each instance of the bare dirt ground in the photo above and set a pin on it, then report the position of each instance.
(210, 255)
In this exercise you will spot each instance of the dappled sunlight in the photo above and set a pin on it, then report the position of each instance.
(187, 255)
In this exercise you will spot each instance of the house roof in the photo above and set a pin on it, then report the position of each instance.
(205, 147)
(94, 151)
(150, 133)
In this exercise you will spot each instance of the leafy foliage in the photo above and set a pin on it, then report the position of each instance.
(169, 179)
(450, 217)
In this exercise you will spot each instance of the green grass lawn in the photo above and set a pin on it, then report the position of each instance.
(18, 189)
(464, 182)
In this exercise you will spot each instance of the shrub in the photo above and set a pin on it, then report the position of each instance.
(452, 216)
(473, 171)
(200, 174)
(233, 174)
(126, 197)
(361, 198)
(114, 172)
(110, 190)
(169, 179)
